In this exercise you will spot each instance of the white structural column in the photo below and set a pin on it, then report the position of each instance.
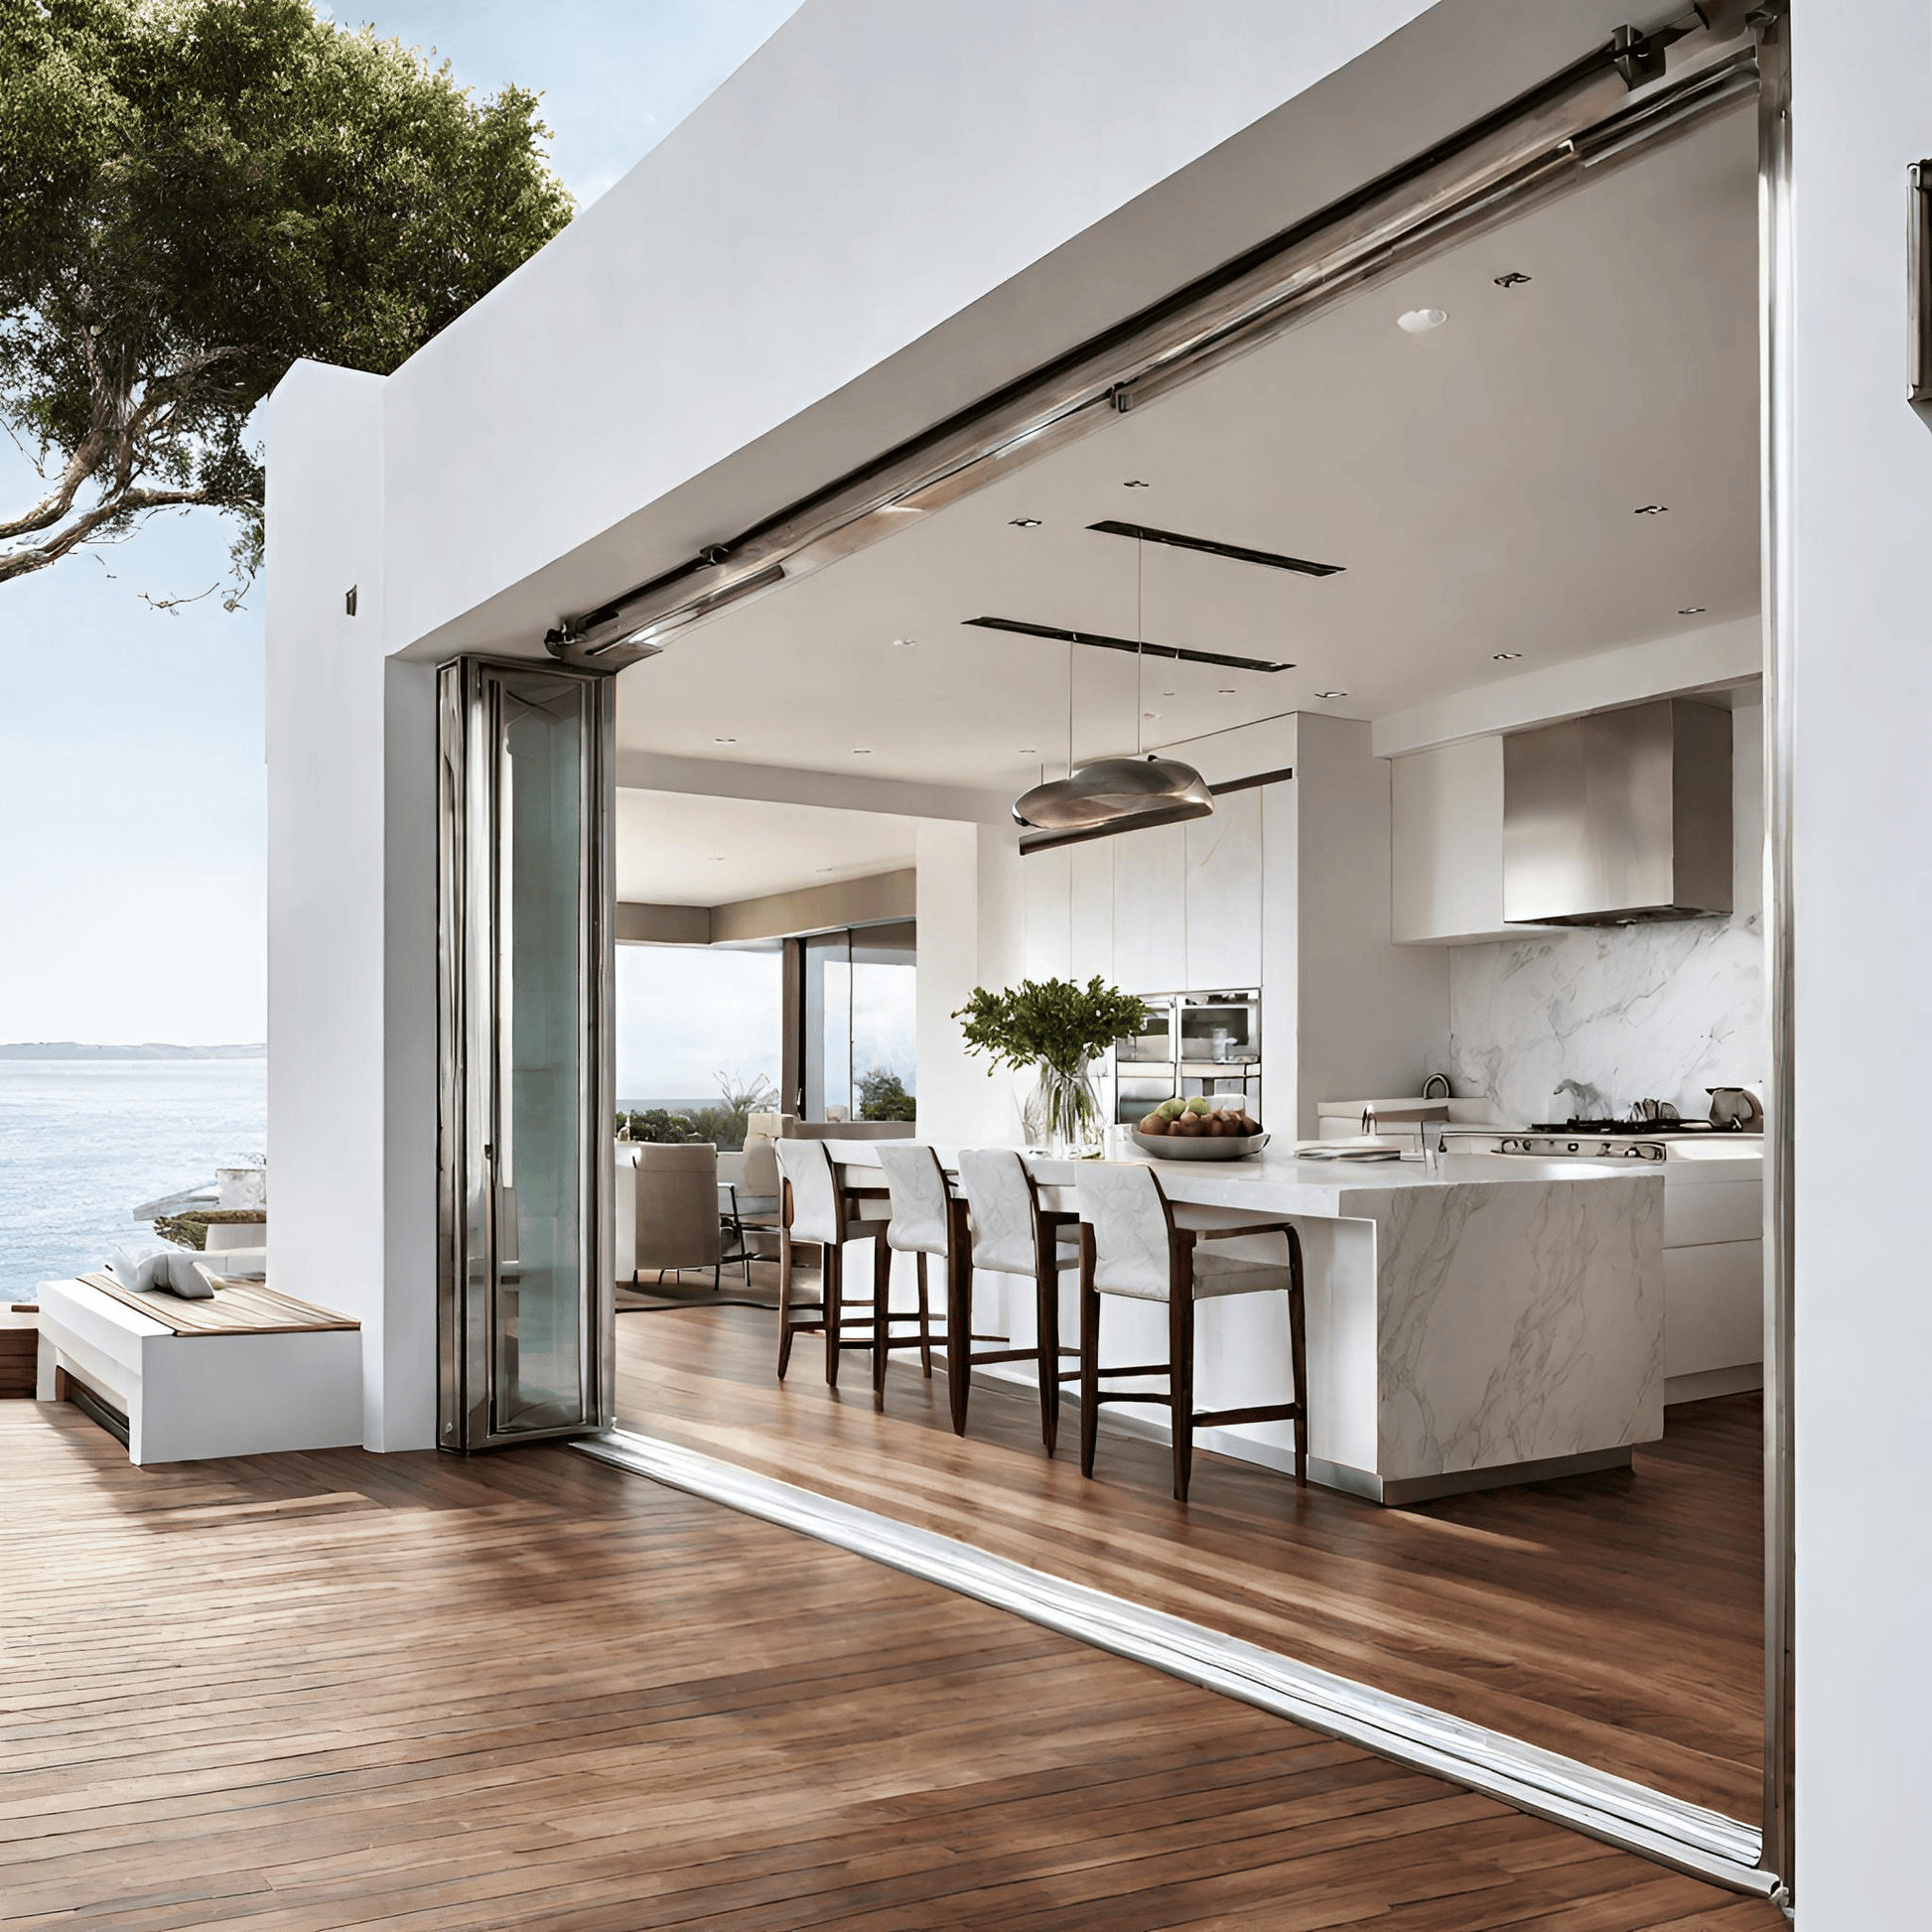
(351, 908)
(1862, 818)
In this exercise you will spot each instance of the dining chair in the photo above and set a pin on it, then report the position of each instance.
(818, 1209)
(1013, 1234)
(1132, 1246)
(747, 1204)
(677, 1208)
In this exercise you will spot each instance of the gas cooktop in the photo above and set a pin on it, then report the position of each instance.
(1648, 1130)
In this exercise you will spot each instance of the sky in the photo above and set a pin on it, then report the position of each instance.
(132, 838)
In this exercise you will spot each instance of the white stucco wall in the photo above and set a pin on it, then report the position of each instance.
(1861, 111)
(351, 908)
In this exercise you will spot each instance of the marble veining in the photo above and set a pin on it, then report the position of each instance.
(1586, 1023)
(1510, 1328)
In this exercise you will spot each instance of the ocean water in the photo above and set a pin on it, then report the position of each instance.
(82, 1141)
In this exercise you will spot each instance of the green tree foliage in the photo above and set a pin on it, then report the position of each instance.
(196, 192)
(724, 1126)
(883, 1096)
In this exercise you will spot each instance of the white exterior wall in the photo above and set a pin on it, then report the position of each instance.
(1861, 111)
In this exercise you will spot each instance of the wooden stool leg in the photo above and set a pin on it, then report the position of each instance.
(1297, 1349)
(959, 1331)
(881, 1315)
(1180, 1383)
(926, 1323)
(834, 1273)
(785, 1300)
(1089, 1354)
(1047, 1332)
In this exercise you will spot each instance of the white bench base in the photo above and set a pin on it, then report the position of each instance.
(190, 1397)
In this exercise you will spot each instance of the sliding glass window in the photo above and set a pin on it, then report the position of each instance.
(857, 1023)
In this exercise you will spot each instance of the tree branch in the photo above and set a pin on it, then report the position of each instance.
(26, 558)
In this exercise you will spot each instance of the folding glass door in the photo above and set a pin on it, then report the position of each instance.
(524, 1212)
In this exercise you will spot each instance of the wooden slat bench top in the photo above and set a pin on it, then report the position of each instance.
(242, 1309)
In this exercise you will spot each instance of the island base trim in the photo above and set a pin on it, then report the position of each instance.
(1686, 1836)
(1395, 1491)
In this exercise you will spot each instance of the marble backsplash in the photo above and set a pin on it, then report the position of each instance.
(1609, 1017)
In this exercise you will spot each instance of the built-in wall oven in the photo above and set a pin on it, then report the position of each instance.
(1206, 1043)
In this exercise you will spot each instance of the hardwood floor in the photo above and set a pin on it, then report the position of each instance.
(304, 1691)
(1617, 1617)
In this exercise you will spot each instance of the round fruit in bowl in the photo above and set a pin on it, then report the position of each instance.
(1198, 1130)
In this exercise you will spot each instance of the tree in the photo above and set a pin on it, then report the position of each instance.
(196, 192)
(883, 1096)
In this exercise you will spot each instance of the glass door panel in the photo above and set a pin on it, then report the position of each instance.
(527, 1304)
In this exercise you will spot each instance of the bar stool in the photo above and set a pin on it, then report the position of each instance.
(1130, 1245)
(1014, 1235)
(818, 1210)
(924, 1217)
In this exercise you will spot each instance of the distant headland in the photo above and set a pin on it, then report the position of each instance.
(149, 1050)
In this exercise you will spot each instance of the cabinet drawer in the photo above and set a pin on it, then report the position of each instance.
(1713, 1210)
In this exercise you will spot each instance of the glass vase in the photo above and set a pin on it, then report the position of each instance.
(1065, 1115)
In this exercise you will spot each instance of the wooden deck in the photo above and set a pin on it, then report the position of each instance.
(305, 1692)
(1617, 1617)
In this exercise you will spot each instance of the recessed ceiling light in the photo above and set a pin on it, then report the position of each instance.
(1691, 610)
(1135, 482)
(1515, 279)
(1227, 691)
(1028, 752)
(1024, 522)
(1167, 694)
(1150, 714)
(1506, 656)
(828, 868)
(905, 643)
(1418, 322)
(1331, 694)
(1651, 510)
(861, 750)
(717, 858)
(724, 741)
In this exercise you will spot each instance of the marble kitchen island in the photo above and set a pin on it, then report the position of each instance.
(1499, 1321)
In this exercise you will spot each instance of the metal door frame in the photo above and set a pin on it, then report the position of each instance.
(471, 1084)
(1605, 110)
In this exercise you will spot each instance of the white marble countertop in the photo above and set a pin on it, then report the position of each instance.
(1287, 1183)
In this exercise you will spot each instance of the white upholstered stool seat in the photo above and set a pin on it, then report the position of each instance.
(1130, 1245)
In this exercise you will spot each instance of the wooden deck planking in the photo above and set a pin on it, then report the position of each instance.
(294, 1693)
(1617, 1617)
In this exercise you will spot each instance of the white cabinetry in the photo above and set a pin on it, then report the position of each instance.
(1151, 908)
(1446, 845)
(1222, 894)
(1048, 948)
(1713, 1276)
(1091, 927)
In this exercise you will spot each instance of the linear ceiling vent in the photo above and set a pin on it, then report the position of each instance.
(1101, 641)
(1274, 558)
(1618, 818)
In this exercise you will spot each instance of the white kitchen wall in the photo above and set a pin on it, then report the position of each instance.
(1619, 1014)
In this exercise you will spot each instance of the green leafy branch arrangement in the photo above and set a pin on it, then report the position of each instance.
(1059, 1022)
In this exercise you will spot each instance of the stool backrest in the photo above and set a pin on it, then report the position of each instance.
(814, 1191)
(677, 1204)
(1001, 1194)
(1127, 1211)
(921, 1219)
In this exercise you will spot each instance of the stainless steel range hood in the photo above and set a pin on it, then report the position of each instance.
(1618, 818)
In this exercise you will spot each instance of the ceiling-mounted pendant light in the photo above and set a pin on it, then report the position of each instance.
(1117, 792)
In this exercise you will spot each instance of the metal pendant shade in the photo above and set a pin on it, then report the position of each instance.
(1115, 791)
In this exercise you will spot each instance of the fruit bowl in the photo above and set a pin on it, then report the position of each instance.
(1199, 1146)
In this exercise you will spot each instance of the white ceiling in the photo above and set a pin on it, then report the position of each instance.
(677, 849)
(1478, 483)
